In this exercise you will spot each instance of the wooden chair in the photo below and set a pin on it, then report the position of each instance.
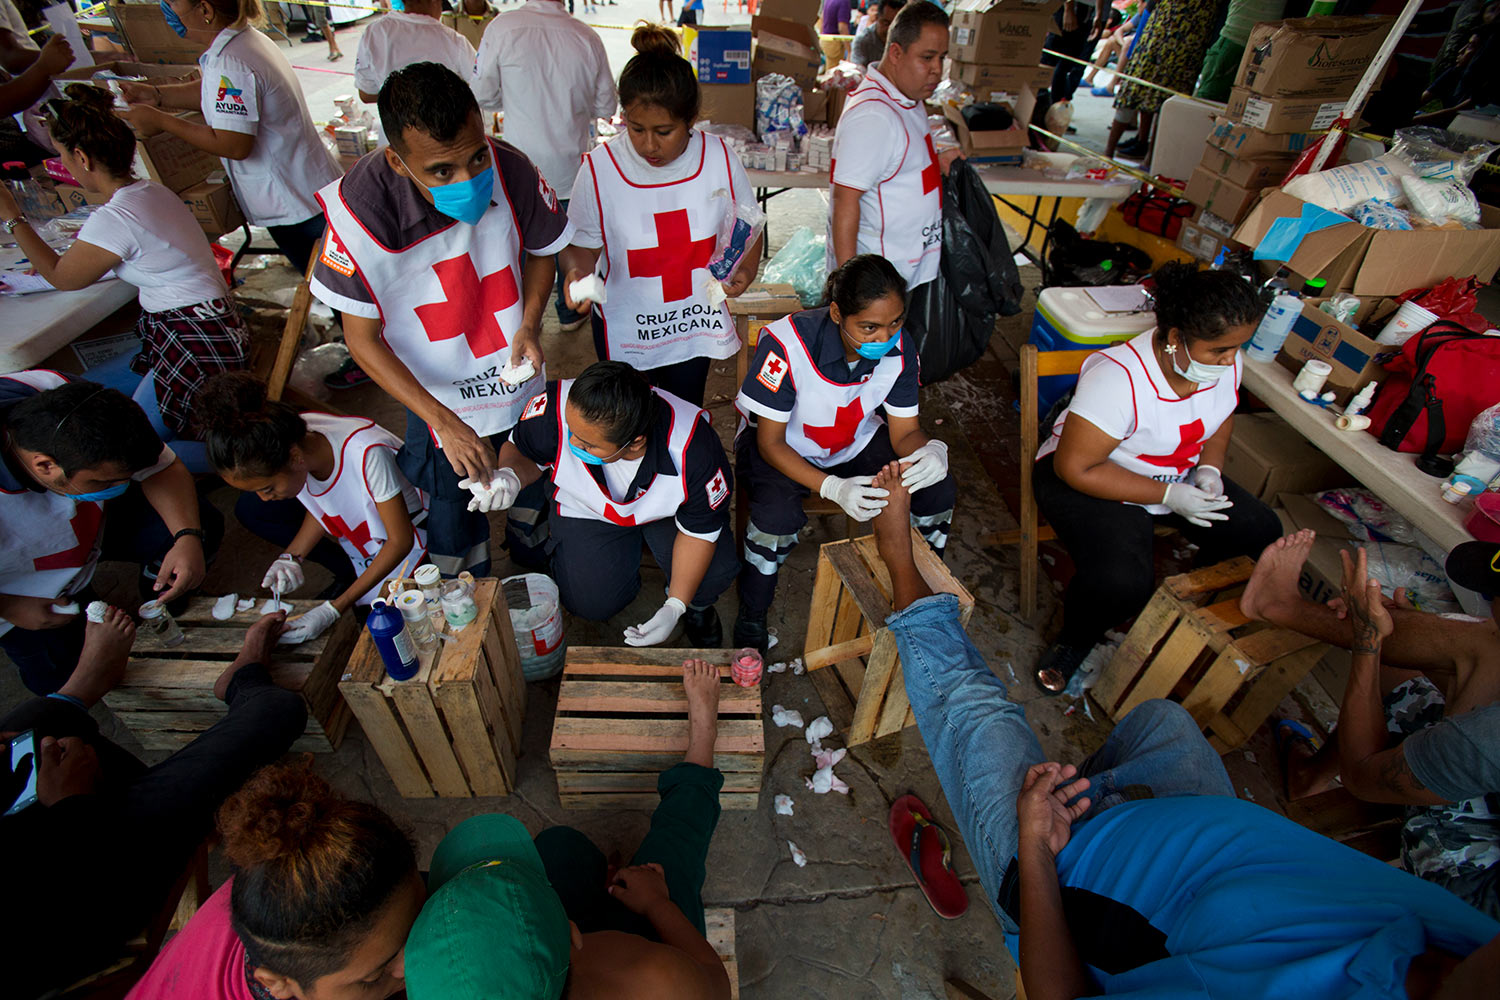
(1034, 365)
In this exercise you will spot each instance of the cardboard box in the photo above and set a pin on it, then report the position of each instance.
(155, 72)
(1251, 173)
(1219, 195)
(1248, 142)
(990, 146)
(214, 206)
(1268, 456)
(1375, 263)
(148, 37)
(728, 104)
(1310, 56)
(814, 106)
(1008, 32)
(986, 79)
(1205, 234)
(77, 197)
(775, 54)
(175, 163)
(1356, 358)
(1283, 114)
(800, 11)
(718, 55)
(1323, 573)
(470, 27)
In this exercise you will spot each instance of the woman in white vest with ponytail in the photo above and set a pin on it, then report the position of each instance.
(650, 206)
(341, 469)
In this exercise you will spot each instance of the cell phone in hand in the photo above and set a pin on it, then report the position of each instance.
(23, 762)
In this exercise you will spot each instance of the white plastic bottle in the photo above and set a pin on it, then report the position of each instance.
(1274, 327)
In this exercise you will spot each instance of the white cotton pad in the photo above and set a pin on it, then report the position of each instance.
(589, 288)
(65, 608)
(271, 607)
(224, 607)
(515, 374)
(714, 290)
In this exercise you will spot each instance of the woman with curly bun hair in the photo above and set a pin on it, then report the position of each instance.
(324, 892)
(190, 328)
(1143, 440)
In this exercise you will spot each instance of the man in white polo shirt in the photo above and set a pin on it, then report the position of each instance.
(550, 74)
(400, 38)
(887, 180)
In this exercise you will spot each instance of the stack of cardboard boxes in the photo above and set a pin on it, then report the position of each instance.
(721, 58)
(1293, 81)
(994, 49)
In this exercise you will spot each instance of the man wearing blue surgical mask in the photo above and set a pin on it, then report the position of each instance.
(74, 454)
(439, 255)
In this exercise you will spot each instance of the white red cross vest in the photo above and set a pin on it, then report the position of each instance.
(346, 508)
(909, 200)
(658, 239)
(49, 543)
(1169, 430)
(831, 422)
(579, 494)
(450, 304)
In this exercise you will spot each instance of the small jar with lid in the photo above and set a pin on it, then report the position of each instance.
(459, 608)
(158, 621)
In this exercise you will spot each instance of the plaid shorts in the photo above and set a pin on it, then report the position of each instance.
(182, 348)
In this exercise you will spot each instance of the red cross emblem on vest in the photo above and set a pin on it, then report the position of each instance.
(85, 523)
(615, 517)
(1188, 448)
(469, 305)
(846, 422)
(930, 174)
(358, 536)
(674, 257)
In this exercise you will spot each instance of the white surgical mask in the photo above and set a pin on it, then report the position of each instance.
(1199, 372)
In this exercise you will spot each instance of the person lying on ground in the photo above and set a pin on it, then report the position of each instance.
(1138, 872)
(1420, 721)
(94, 860)
(323, 894)
(540, 920)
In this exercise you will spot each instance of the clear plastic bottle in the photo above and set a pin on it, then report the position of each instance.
(158, 621)
(1274, 327)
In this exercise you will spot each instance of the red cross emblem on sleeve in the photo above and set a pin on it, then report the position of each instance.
(841, 434)
(930, 174)
(358, 536)
(85, 524)
(674, 257)
(470, 305)
(1189, 447)
(772, 372)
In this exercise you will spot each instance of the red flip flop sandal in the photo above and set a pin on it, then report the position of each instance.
(924, 847)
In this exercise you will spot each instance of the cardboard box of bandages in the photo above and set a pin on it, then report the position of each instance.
(1310, 56)
(1008, 32)
(1267, 456)
(214, 206)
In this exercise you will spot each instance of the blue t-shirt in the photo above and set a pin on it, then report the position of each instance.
(1223, 898)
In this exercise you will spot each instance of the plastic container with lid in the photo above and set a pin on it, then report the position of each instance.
(1068, 319)
(158, 621)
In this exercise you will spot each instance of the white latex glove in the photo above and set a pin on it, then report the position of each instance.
(309, 625)
(1208, 479)
(284, 576)
(659, 627)
(929, 464)
(1198, 506)
(859, 499)
(498, 495)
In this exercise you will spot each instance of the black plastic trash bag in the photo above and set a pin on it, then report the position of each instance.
(952, 317)
(1074, 260)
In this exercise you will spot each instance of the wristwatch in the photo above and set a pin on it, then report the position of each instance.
(9, 225)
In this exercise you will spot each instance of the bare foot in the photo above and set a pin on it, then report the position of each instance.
(101, 663)
(260, 640)
(701, 682)
(892, 528)
(1274, 582)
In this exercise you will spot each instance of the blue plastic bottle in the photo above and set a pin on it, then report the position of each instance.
(392, 640)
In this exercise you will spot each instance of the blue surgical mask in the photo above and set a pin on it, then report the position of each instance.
(99, 496)
(876, 349)
(589, 458)
(173, 21)
(465, 201)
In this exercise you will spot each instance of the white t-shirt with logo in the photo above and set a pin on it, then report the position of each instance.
(249, 87)
(161, 247)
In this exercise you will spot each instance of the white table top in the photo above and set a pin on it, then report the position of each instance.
(1017, 181)
(35, 326)
(1392, 475)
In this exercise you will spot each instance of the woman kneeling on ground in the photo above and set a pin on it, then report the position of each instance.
(324, 892)
(1143, 441)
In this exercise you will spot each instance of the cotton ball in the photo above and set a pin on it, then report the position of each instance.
(96, 611)
(797, 855)
(786, 717)
(224, 607)
(589, 288)
(783, 805)
(818, 728)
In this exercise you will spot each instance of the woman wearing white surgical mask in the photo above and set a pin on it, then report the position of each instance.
(1143, 440)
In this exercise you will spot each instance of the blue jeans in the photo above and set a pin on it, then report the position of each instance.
(982, 747)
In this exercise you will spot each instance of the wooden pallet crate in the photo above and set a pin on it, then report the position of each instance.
(850, 654)
(622, 720)
(719, 922)
(1192, 644)
(166, 697)
(453, 730)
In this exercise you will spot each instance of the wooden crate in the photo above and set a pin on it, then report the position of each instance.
(1192, 644)
(850, 655)
(167, 695)
(454, 729)
(719, 922)
(622, 720)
